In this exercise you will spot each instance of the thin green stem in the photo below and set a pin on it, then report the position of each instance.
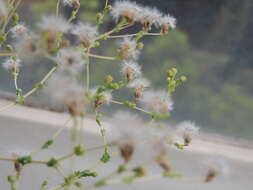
(100, 147)
(102, 57)
(14, 160)
(57, 8)
(87, 70)
(131, 35)
(41, 82)
(67, 156)
(137, 108)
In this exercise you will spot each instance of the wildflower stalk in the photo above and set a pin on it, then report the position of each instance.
(14, 160)
(87, 70)
(57, 7)
(135, 107)
(7, 106)
(48, 75)
(102, 57)
(132, 35)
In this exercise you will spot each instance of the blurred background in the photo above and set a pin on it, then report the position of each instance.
(212, 46)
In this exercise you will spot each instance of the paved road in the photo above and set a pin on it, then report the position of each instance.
(23, 136)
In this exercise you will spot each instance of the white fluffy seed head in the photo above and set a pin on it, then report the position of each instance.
(187, 127)
(139, 83)
(72, 3)
(128, 49)
(167, 22)
(54, 25)
(86, 33)
(11, 64)
(157, 101)
(215, 167)
(127, 9)
(149, 16)
(127, 126)
(187, 130)
(131, 70)
(67, 92)
(19, 30)
(71, 59)
(27, 48)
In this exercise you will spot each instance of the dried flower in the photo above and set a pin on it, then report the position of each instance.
(128, 49)
(86, 33)
(167, 22)
(216, 167)
(131, 70)
(12, 65)
(128, 128)
(149, 16)
(54, 25)
(27, 47)
(19, 30)
(71, 59)
(157, 101)
(139, 84)
(126, 9)
(72, 3)
(66, 91)
(100, 97)
(187, 130)
(160, 139)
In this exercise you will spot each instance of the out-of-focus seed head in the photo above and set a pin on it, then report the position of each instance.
(71, 59)
(128, 130)
(27, 48)
(187, 130)
(19, 30)
(86, 33)
(215, 167)
(72, 3)
(11, 64)
(157, 101)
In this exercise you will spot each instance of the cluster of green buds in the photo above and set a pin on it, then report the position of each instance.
(100, 16)
(172, 81)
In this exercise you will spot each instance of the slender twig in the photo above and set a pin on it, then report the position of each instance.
(137, 108)
(67, 156)
(102, 57)
(131, 35)
(57, 7)
(6, 54)
(14, 160)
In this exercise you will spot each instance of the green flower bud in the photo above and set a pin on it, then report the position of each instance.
(121, 169)
(114, 86)
(53, 163)
(105, 157)
(183, 78)
(108, 79)
(47, 144)
(24, 160)
(99, 18)
(79, 150)
(140, 46)
(140, 171)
